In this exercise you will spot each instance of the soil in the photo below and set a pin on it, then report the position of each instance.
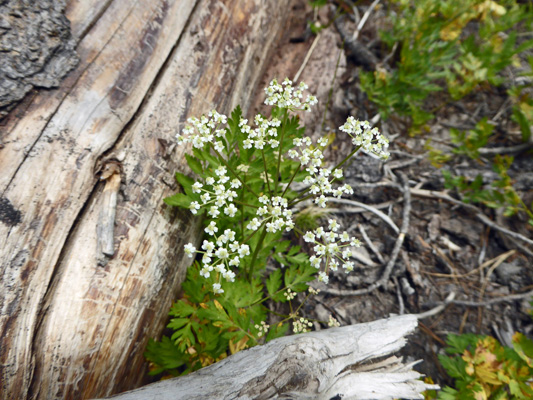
(447, 249)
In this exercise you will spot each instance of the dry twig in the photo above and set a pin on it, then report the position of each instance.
(489, 302)
(437, 309)
(396, 250)
(479, 215)
(370, 244)
(371, 209)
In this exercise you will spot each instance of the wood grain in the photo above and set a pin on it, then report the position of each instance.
(69, 327)
(338, 363)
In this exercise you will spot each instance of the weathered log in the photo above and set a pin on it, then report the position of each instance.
(339, 363)
(36, 48)
(73, 321)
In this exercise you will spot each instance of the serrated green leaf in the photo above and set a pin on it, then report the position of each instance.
(186, 183)
(194, 164)
(447, 393)
(273, 282)
(524, 348)
(455, 367)
(165, 355)
(178, 323)
(178, 200)
(181, 309)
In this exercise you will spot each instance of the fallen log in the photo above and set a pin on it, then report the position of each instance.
(345, 363)
(88, 261)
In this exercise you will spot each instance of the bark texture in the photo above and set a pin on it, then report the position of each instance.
(36, 48)
(340, 363)
(80, 295)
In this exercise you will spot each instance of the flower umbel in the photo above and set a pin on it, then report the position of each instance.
(370, 140)
(245, 157)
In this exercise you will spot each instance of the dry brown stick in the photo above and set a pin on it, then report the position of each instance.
(370, 243)
(482, 266)
(486, 303)
(499, 260)
(437, 309)
(479, 215)
(399, 295)
(396, 250)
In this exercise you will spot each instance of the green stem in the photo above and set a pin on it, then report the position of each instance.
(242, 203)
(526, 209)
(346, 159)
(276, 178)
(242, 211)
(256, 253)
(266, 172)
(252, 235)
(234, 173)
(299, 199)
(292, 178)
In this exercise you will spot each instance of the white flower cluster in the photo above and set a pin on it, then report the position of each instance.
(265, 134)
(333, 322)
(331, 249)
(370, 140)
(314, 291)
(225, 251)
(263, 328)
(301, 325)
(206, 130)
(319, 179)
(275, 213)
(286, 96)
(289, 294)
(217, 193)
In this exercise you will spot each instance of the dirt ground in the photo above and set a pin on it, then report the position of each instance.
(448, 250)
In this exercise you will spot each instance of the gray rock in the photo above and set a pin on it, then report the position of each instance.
(508, 272)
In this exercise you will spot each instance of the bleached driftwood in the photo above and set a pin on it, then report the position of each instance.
(345, 363)
(89, 266)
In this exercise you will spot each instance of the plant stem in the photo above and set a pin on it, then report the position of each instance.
(256, 253)
(252, 235)
(292, 178)
(234, 173)
(242, 211)
(300, 199)
(285, 114)
(346, 159)
(266, 172)
(242, 203)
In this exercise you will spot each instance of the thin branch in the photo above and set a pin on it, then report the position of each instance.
(399, 295)
(370, 244)
(437, 309)
(505, 150)
(396, 250)
(371, 209)
(357, 210)
(497, 300)
(364, 19)
(306, 59)
(479, 215)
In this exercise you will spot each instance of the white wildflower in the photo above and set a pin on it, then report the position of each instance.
(189, 250)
